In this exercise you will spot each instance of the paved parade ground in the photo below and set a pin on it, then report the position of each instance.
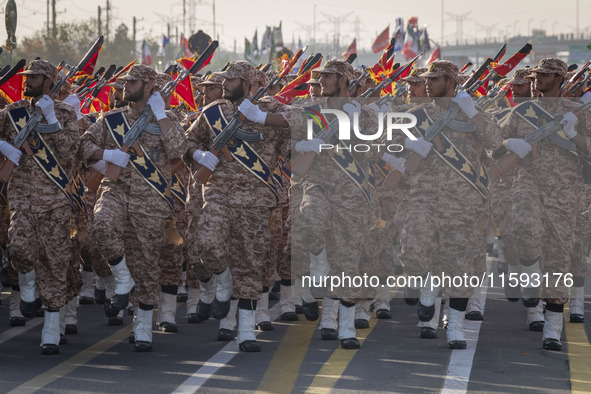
(502, 356)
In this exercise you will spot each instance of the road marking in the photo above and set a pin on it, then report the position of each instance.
(217, 361)
(285, 365)
(460, 362)
(333, 368)
(74, 362)
(579, 355)
(13, 332)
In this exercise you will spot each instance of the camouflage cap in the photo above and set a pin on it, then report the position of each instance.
(520, 77)
(551, 65)
(212, 79)
(413, 77)
(162, 79)
(314, 78)
(117, 84)
(140, 72)
(41, 67)
(442, 68)
(340, 67)
(261, 77)
(239, 69)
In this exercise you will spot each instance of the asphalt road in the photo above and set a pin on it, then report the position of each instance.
(502, 356)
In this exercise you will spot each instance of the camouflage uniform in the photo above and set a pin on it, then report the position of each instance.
(40, 213)
(130, 202)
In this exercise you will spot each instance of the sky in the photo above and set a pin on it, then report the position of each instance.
(364, 20)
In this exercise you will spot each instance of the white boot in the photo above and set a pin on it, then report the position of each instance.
(429, 328)
(109, 283)
(319, 268)
(50, 335)
(143, 330)
(166, 312)
(577, 305)
(63, 311)
(16, 317)
(123, 280)
(246, 336)
(224, 285)
(474, 308)
(30, 302)
(362, 314)
(182, 290)
(262, 316)
(455, 329)
(382, 298)
(426, 306)
(229, 322)
(330, 313)
(346, 331)
(71, 318)
(535, 317)
(87, 290)
(287, 299)
(552, 331)
(193, 295)
(207, 291)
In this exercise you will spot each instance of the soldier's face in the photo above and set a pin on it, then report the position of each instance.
(315, 90)
(212, 93)
(329, 84)
(133, 91)
(545, 82)
(417, 89)
(34, 85)
(521, 90)
(436, 86)
(232, 89)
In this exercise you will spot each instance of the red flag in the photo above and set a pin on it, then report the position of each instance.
(12, 90)
(184, 90)
(381, 41)
(184, 47)
(186, 62)
(351, 50)
(513, 61)
(435, 55)
(383, 65)
(290, 90)
(146, 54)
(89, 68)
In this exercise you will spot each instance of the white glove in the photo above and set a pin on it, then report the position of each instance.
(377, 109)
(74, 101)
(100, 166)
(585, 98)
(157, 105)
(352, 108)
(568, 124)
(116, 157)
(420, 146)
(10, 152)
(206, 159)
(465, 102)
(518, 146)
(396, 163)
(252, 112)
(312, 145)
(46, 105)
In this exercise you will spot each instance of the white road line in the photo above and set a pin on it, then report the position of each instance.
(460, 362)
(217, 361)
(13, 332)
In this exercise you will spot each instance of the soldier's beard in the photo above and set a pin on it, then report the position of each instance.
(234, 95)
(134, 97)
(31, 91)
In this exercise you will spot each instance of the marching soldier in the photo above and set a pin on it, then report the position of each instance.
(41, 211)
(139, 201)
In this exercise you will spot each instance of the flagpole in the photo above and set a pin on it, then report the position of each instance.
(442, 13)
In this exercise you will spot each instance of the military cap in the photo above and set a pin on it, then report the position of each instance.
(442, 68)
(340, 67)
(413, 77)
(261, 77)
(239, 69)
(140, 72)
(551, 65)
(41, 67)
(117, 84)
(162, 79)
(212, 79)
(314, 78)
(520, 77)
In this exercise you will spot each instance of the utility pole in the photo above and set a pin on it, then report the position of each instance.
(47, 18)
(442, 22)
(53, 16)
(108, 22)
(336, 21)
(214, 20)
(459, 18)
(100, 26)
(184, 16)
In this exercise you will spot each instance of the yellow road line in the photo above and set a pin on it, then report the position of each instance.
(284, 367)
(334, 367)
(61, 370)
(579, 356)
